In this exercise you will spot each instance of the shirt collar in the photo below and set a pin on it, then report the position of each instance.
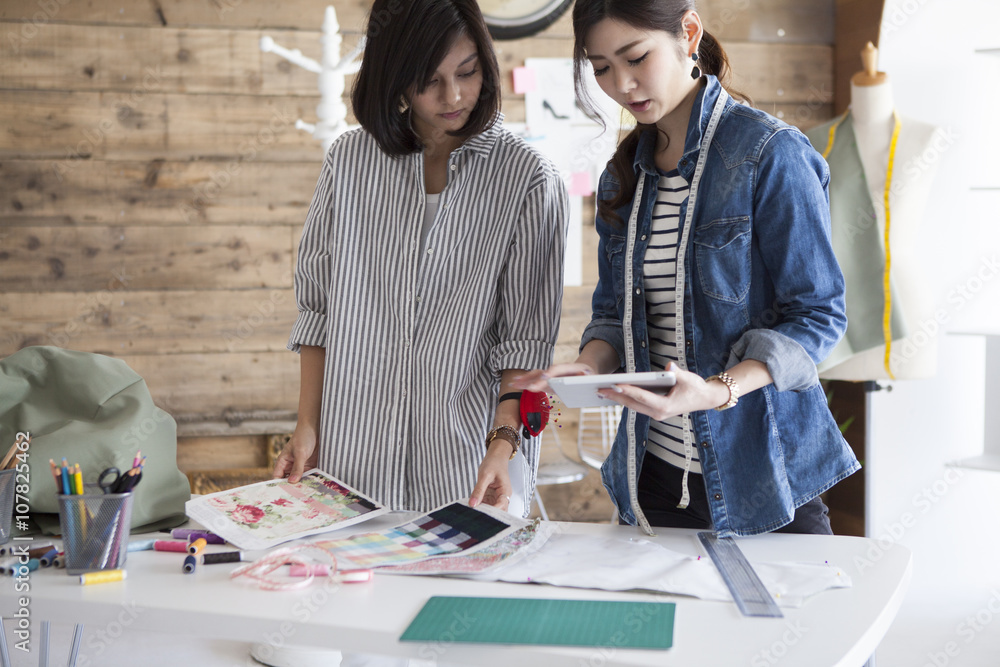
(701, 112)
(482, 144)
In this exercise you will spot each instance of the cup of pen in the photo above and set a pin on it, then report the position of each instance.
(95, 529)
(7, 485)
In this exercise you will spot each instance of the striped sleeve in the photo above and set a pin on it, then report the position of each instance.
(312, 270)
(532, 284)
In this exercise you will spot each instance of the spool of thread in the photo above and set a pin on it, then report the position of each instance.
(192, 534)
(316, 570)
(102, 577)
(141, 545)
(38, 552)
(190, 562)
(170, 545)
(222, 557)
(196, 547)
(49, 557)
(59, 561)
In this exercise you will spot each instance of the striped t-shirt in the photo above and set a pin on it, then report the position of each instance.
(666, 438)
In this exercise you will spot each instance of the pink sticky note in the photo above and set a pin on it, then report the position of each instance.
(580, 184)
(524, 80)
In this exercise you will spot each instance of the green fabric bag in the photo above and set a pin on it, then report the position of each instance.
(96, 411)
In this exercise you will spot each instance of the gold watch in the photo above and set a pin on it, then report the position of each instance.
(734, 389)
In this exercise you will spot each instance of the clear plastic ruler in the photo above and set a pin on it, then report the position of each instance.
(749, 592)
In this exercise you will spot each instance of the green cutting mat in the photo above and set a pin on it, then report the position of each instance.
(544, 622)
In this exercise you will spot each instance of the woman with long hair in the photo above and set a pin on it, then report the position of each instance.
(715, 263)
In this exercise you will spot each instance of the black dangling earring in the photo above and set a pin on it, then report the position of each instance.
(695, 71)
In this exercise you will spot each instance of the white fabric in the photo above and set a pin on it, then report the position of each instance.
(581, 561)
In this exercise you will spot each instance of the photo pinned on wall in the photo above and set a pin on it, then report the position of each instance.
(265, 514)
(558, 127)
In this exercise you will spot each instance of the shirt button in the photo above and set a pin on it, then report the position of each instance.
(718, 496)
(430, 251)
(688, 343)
(705, 444)
(454, 167)
(638, 291)
(643, 237)
(418, 299)
(406, 344)
(642, 344)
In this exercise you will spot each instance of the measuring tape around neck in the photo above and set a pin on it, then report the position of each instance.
(633, 487)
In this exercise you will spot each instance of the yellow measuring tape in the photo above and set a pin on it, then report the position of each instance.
(887, 293)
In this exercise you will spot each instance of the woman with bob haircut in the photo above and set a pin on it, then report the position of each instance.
(429, 274)
(714, 262)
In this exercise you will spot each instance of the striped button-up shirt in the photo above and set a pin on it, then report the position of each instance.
(416, 336)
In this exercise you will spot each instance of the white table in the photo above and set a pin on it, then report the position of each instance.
(839, 627)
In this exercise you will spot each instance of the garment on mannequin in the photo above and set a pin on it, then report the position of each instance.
(859, 157)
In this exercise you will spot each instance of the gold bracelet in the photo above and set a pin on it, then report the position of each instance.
(734, 389)
(508, 433)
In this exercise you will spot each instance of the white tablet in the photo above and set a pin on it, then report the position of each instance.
(580, 391)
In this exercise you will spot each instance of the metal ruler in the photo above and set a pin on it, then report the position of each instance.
(748, 590)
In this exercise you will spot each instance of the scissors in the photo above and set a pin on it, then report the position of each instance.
(113, 481)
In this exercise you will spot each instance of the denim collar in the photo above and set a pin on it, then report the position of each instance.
(701, 112)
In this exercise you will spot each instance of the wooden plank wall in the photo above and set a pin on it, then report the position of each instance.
(153, 186)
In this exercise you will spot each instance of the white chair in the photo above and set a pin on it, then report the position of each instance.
(562, 470)
(595, 435)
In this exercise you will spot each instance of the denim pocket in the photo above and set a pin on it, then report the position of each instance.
(722, 250)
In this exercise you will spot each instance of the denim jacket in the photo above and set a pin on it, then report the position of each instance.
(757, 279)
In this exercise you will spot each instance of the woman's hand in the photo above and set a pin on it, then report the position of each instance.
(539, 380)
(299, 454)
(691, 393)
(493, 481)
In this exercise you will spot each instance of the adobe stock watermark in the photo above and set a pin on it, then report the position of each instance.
(634, 622)
(968, 630)
(47, 10)
(222, 177)
(818, 98)
(900, 15)
(958, 298)
(460, 624)
(89, 309)
(725, 16)
(104, 638)
(923, 501)
(265, 311)
(779, 647)
(93, 137)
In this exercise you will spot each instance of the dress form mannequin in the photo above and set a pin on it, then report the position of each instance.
(918, 148)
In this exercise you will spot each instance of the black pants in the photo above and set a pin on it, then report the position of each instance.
(660, 491)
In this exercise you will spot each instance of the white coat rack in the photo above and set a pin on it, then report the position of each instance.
(331, 113)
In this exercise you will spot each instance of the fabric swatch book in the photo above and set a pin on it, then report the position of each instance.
(450, 530)
(265, 514)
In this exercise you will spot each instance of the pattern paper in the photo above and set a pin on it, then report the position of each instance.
(265, 514)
